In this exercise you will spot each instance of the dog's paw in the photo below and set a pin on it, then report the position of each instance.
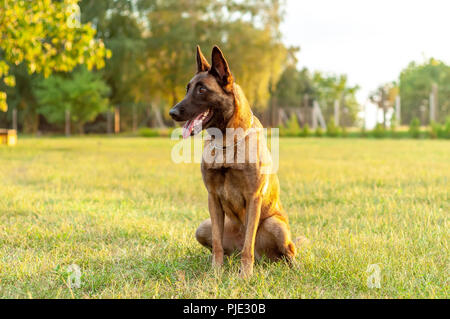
(217, 261)
(246, 271)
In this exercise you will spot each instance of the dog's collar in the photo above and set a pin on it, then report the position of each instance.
(214, 145)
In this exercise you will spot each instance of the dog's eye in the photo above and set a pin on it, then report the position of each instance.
(201, 89)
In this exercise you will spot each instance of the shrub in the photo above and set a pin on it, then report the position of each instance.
(332, 129)
(292, 128)
(165, 132)
(148, 132)
(344, 132)
(436, 130)
(363, 132)
(305, 131)
(393, 127)
(445, 133)
(414, 128)
(379, 131)
(81, 92)
(319, 132)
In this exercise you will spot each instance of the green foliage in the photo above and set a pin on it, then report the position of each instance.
(305, 131)
(344, 132)
(393, 128)
(414, 128)
(44, 35)
(319, 132)
(292, 127)
(332, 129)
(416, 84)
(446, 129)
(153, 46)
(440, 131)
(83, 93)
(394, 122)
(294, 85)
(384, 97)
(363, 132)
(129, 72)
(155, 132)
(148, 132)
(379, 131)
(173, 28)
(435, 130)
(331, 87)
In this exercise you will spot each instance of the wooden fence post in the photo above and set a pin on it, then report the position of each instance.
(14, 119)
(134, 118)
(318, 115)
(336, 112)
(116, 120)
(67, 126)
(314, 116)
(108, 122)
(398, 110)
(306, 110)
(433, 102)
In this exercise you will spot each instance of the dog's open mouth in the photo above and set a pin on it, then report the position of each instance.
(196, 125)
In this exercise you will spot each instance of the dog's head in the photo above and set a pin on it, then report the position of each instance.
(209, 100)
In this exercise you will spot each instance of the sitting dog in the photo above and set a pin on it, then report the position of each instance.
(243, 198)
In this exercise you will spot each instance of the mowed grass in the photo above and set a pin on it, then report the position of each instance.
(126, 214)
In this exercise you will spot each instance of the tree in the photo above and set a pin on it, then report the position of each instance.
(331, 87)
(118, 25)
(175, 27)
(294, 84)
(153, 47)
(82, 93)
(47, 37)
(384, 98)
(415, 85)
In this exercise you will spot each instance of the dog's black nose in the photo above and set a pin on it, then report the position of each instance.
(174, 113)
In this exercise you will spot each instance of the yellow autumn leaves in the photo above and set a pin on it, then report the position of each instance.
(42, 34)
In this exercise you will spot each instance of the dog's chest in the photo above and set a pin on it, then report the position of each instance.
(225, 182)
(229, 186)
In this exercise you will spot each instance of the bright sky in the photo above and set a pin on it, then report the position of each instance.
(370, 41)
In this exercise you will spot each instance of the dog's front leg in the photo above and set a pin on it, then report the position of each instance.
(253, 213)
(217, 224)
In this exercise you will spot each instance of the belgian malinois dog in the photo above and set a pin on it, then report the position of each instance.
(243, 201)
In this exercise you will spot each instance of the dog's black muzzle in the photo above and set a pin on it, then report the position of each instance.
(177, 112)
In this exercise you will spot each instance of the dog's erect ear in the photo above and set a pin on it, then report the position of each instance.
(220, 69)
(202, 64)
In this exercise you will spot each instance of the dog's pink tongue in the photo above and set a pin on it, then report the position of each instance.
(189, 126)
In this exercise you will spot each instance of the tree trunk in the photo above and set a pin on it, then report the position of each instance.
(134, 118)
(109, 122)
(158, 117)
(14, 119)
(67, 124)
(116, 120)
(81, 128)
(31, 122)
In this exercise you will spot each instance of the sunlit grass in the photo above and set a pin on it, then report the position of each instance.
(126, 214)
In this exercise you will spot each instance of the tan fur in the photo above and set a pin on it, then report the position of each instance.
(244, 202)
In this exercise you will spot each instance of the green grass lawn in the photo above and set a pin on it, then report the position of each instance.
(126, 214)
